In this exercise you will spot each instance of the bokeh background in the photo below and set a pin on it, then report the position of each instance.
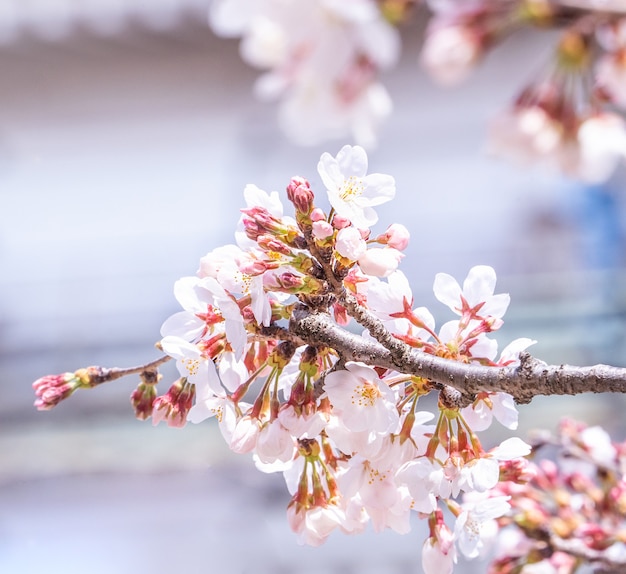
(127, 133)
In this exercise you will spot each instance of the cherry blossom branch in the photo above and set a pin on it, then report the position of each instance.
(575, 547)
(531, 378)
(100, 375)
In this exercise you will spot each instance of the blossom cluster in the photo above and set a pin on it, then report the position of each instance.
(356, 441)
(349, 438)
(570, 511)
(323, 59)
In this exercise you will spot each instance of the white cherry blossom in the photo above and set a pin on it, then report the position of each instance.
(352, 193)
(475, 526)
(191, 363)
(364, 401)
(478, 288)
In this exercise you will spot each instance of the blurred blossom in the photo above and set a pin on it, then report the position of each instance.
(322, 58)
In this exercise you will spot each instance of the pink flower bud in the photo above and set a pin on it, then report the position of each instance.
(396, 236)
(142, 399)
(322, 229)
(317, 214)
(52, 389)
(173, 406)
(340, 222)
(300, 194)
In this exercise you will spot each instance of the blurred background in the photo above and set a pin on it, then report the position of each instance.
(127, 134)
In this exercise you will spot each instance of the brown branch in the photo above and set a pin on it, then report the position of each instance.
(531, 378)
(100, 375)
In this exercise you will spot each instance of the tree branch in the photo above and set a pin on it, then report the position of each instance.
(531, 378)
(100, 375)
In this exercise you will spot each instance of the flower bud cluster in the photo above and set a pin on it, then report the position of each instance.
(322, 59)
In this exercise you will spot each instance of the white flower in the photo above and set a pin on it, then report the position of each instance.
(477, 290)
(191, 363)
(275, 443)
(385, 298)
(450, 52)
(475, 526)
(196, 301)
(315, 524)
(510, 353)
(480, 414)
(351, 192)
(224, 264)
(363, 401)
(599, 446)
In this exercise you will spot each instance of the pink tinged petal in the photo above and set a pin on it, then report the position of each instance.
(495, 306)
(435, 560)
(330, 172)
(232, 371)
(274, 443)
(184, 325)
(244, 436)
(319, 522)
(205, 408)
(448, 291)
(510, 449)
(478, 416)
(448, 331)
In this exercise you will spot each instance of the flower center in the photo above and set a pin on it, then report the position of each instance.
(191, 365)
(365, 395)
(352, 188)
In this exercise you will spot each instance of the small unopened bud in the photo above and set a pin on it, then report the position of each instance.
(173, 406)
(300, 194)
(142, 399)
(52, 389)
(340, 222)
(322, 229)
(317, 215)
(396, 236)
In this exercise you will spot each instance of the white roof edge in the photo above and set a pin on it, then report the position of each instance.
(57, 20)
